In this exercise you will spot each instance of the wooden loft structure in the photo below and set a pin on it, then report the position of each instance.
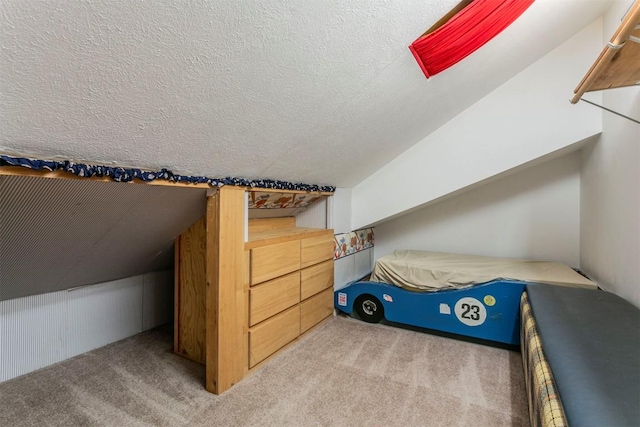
(239, 302)
(59, 174)
(619, 62)
(241, 297)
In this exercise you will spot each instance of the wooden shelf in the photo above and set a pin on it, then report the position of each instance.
(618, 63)
(281, 235)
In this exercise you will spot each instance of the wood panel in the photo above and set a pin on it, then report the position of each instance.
(626, 63)
(190, 292)
(60, 174)
(271, 190)
(623, 70)
(211, 365)
(315, 279)
(448, 16)
(176, 295)
(246, 280)
(273, 334)
(315, 309)
(269, 262)
(281, 235)
(259, 225)
(272, 297)
(316, 249)
(226, 293)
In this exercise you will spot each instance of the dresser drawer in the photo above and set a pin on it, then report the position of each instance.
(316, 249)
(269, 262)
(272, 297)
(273, 334)
(315, 309)
(315, 279)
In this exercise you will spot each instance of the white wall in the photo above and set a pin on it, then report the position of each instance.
(340, 210)
(315, 216)
(610, 246)
(39, 330)
(527, 117)
(352, 267)
(531, 214)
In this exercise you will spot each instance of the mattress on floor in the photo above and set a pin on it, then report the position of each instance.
(545, 406)
(435, 271)
(591, 342)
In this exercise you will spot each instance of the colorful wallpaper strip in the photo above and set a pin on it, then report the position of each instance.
(350, 243)
(264, 200)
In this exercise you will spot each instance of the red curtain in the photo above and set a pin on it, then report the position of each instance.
(465, 32)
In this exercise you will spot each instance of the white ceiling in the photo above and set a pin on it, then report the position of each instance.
(316, 91)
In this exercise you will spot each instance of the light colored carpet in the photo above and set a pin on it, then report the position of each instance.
(345, 373)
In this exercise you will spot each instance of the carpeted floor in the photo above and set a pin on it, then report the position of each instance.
(345, 373)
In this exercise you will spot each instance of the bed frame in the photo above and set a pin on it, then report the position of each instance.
(488, 311)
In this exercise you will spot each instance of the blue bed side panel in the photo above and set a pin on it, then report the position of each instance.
(489, 311)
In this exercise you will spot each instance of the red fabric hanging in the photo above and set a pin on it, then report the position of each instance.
(464, 33)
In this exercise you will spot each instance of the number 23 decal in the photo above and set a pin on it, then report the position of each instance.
(475, 311)
(470, 311)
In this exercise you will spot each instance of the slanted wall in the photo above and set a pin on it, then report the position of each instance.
(525, 119)
(58, 234)
(610, 190)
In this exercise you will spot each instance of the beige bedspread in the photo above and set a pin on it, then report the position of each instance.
(434, 271)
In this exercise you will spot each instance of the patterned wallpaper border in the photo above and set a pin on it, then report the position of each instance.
(264, 200)
(346, 244)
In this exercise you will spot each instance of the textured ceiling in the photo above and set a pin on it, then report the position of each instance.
(318, 91)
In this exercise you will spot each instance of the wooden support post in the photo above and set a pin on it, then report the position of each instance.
(227, 317)
(190, 292)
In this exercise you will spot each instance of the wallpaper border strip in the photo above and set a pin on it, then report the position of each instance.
(346, 244)
(119, 174)
(275, 200)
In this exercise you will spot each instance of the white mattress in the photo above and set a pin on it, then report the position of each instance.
(434, 271)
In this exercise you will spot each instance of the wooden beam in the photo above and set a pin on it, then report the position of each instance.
(448, 16)
(630, 21)
(623, 69)
(211, 317)
(176, 295)
(275, 190)
(272, 237)
(246, 280)
(60, 174)
(226, 296)
(258, 225)
(190, 321)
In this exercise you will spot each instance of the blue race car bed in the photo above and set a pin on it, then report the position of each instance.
(488, 311)
(441, 292)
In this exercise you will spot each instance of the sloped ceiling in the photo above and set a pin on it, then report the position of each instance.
(318, 91)
(57, 234)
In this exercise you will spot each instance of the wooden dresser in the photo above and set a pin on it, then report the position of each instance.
(291, 285)
(287, 289)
